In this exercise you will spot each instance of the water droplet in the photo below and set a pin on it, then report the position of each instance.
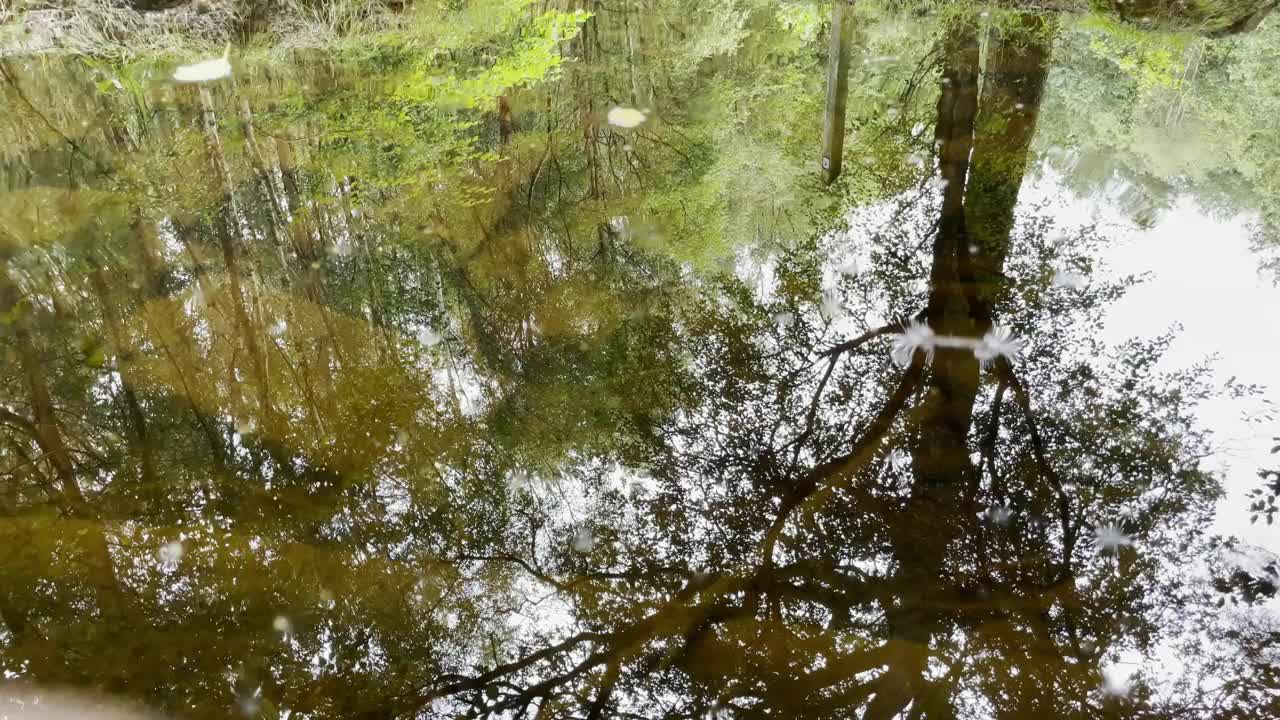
(1116, 682)
(428, 337)
(282, 625)
(998, 514)
(1070, 280)
(900, 460)
(518, 480)
(204, 71)
(250, 703)
(1110, 538)
(625, 117)
(999, 342)
(170, 554)
(832, 307)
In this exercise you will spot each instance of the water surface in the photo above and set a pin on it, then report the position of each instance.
(650, 360)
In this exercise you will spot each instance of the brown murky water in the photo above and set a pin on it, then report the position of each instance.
(649, 360)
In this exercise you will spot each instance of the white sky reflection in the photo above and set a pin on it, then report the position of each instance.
(1202, 275)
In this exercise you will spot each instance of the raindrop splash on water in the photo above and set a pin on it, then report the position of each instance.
(915, 335)
(1110, 538)
(998, 342)
(997, 514)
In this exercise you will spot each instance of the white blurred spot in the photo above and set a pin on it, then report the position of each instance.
(282, 625)
(24, 702)
(583, 540)
(914, 336)
(832, 307)
(1070, 280)
(625, 117)
(999, 341)
(900, 460)
(205, 70)
(1110, 538)
(639, 482)
(429, 337)
(519, 480)
(998, 514)
(1116, 682)
(170, 554)
(250, 703)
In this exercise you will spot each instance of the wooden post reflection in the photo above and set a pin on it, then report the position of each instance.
(837, 90)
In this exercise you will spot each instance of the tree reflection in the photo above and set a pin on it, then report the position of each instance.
(440, 449)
